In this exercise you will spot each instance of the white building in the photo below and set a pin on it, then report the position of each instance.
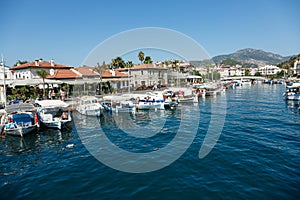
(146, 74)
(28, 70)
(268, 70)
(228, 71)
(297, 67)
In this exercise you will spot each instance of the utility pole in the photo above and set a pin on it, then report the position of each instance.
(4, 81)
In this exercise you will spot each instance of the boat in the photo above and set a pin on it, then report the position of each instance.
(118, 106)
(20, 119)
(292, 92)
(170, 99)
(116, 103)
(54, 114)
(150, 101)
(88, 105)
(210, 89)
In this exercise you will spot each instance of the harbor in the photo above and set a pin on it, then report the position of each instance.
(256, 141)
(149, 100)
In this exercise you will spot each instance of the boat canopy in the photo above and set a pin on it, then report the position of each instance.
(52, 103)
(20, 107)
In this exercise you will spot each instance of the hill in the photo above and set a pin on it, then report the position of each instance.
(252, 57)
(288, 64)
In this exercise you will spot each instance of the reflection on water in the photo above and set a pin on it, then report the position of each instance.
(46, 138)
(293, 106)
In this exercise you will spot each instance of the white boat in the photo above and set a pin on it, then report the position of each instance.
(292, 92)
(20, 119)
(170, 99)
(212, 89)
(88, 105)
(54, 114)
(150, 100)
(118, 106)
(116, 103)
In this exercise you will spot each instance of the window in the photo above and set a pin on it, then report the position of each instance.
(142, 73)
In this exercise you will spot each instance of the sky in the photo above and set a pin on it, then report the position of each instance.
(67, 31)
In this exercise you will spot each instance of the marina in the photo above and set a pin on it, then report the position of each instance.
(255, 141)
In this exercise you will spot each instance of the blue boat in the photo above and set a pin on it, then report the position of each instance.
(20, 119)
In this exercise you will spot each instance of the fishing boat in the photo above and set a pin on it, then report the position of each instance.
(118, 106)
(292, 92)
(170, 99)
(150, 101)
(20, 119)
(54, 114)
(88, 105)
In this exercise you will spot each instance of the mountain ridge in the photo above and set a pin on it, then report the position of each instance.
(252, 57)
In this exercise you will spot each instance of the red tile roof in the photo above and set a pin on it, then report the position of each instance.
(63, 74)
(143, 66)
(118, 74)
(87, 71)
(40, 64)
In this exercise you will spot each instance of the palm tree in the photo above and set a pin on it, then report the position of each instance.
(43, 74)
(118, 62)
(141, 56)
(129, 64)
(148, 60)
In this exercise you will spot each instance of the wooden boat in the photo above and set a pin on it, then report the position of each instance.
(20, 119)
(54, 114)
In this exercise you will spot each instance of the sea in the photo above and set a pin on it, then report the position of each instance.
(243, 144)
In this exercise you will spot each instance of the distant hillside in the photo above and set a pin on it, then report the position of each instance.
(252, 57)
(289, 63)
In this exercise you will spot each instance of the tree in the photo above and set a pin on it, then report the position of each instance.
(230, 62)
(147, 60)
(197, 73)
(141, 56)
(247, 72)
(129, 64)
(257, 74)
(43, 74)
(280, 74)
(100, 69)
(166, 63)
(20, 62)
(175, 65)
(118, 62)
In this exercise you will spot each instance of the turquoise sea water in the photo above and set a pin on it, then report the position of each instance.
(256, 155)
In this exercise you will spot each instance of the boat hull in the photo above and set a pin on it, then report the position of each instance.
(21, 131)
(63, 124)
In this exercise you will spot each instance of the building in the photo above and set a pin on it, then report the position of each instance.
(88, 73)
(117, 78)
(297, 67)
(268, 70)
(228, 71)
(146, 75)
(28, 70)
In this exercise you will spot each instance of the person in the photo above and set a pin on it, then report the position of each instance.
(64, 115)
(49, 94)
(53, 94)
(63, 95)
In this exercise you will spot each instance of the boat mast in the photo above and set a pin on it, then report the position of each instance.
(129, 78)
(4, 81)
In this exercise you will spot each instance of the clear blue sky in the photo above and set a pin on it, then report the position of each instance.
(68, 30)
